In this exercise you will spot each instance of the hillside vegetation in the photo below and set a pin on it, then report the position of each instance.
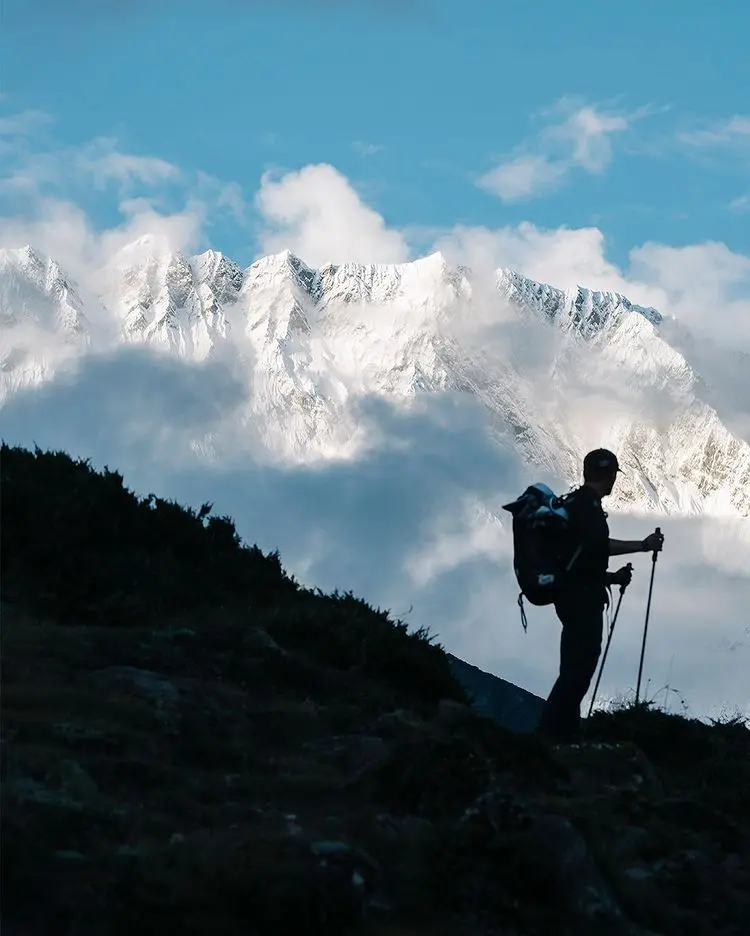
(193, 743)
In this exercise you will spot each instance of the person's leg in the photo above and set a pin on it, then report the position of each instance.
(581, 614)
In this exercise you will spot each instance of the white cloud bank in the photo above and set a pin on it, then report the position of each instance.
(407, 523)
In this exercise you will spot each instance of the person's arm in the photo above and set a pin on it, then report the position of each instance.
(624, 547)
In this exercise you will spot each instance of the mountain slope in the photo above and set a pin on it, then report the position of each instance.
(556, 372)
(192, 743)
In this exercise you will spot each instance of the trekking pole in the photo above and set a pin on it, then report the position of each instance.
(645, 626)
(606, 649)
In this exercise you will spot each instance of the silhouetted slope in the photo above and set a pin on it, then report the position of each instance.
(192, 743)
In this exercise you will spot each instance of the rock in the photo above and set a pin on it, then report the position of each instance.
(405, 846)
(594, 768)
(554, 848)
(73, 732)
(144, 683)
(148, 685)
(360, 866)
(341, 850)
(28, 790)
(74, 780)
(348, 752)
(495, 808)
(128, 851)
(351, 877)
(172, 633)
(451, 714)
(293, 827)
(400, 724)
(403, 829)
(69, 855)
(257, 640)
(630, 844)
(700, 817)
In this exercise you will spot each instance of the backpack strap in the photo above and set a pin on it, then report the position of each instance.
(573, 558)
(524, 619)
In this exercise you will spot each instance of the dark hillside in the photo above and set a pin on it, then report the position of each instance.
(193, 743)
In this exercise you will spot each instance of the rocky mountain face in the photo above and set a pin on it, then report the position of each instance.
(192, 743)
(556, 372)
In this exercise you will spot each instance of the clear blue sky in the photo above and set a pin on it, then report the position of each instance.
(444, 90)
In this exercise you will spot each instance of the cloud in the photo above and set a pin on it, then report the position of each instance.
(362, 148)
(49, 191)
(525, 176)
(20, 124)
(577, 136)
(741, 204)
(36, 163)
(63, 231)
(588, 131)
(316, 214)
(564, 257)
(707, 286)
(732, 131)
(104, 163)
(721, 145)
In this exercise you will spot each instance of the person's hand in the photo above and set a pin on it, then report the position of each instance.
(653, 542)
(622, 577)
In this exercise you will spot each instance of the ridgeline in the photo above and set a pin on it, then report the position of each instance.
(194, 743)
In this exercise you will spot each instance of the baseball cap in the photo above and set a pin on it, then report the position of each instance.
(600, 462)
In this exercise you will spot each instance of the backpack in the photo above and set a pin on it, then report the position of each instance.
(541, 545)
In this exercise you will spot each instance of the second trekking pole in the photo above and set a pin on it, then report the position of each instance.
(606, 649)
(645, 626)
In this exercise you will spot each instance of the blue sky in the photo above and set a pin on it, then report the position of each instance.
(414, 108)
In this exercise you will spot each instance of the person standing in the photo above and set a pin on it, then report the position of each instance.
(583, 597)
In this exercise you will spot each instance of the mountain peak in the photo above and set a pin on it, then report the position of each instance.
(147, 251)
(24, 256)
(283, 260)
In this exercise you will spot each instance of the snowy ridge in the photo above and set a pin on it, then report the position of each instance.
(309, 342)
(42, 322)
(34, 290)
(172, 302)
(584, 310)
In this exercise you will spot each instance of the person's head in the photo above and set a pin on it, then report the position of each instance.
(600, 469)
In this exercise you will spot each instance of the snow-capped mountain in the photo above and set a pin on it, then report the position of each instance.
(557, 371)
(171, 301)
(42, 321)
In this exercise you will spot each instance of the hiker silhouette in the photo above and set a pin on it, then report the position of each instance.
(582, 595)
